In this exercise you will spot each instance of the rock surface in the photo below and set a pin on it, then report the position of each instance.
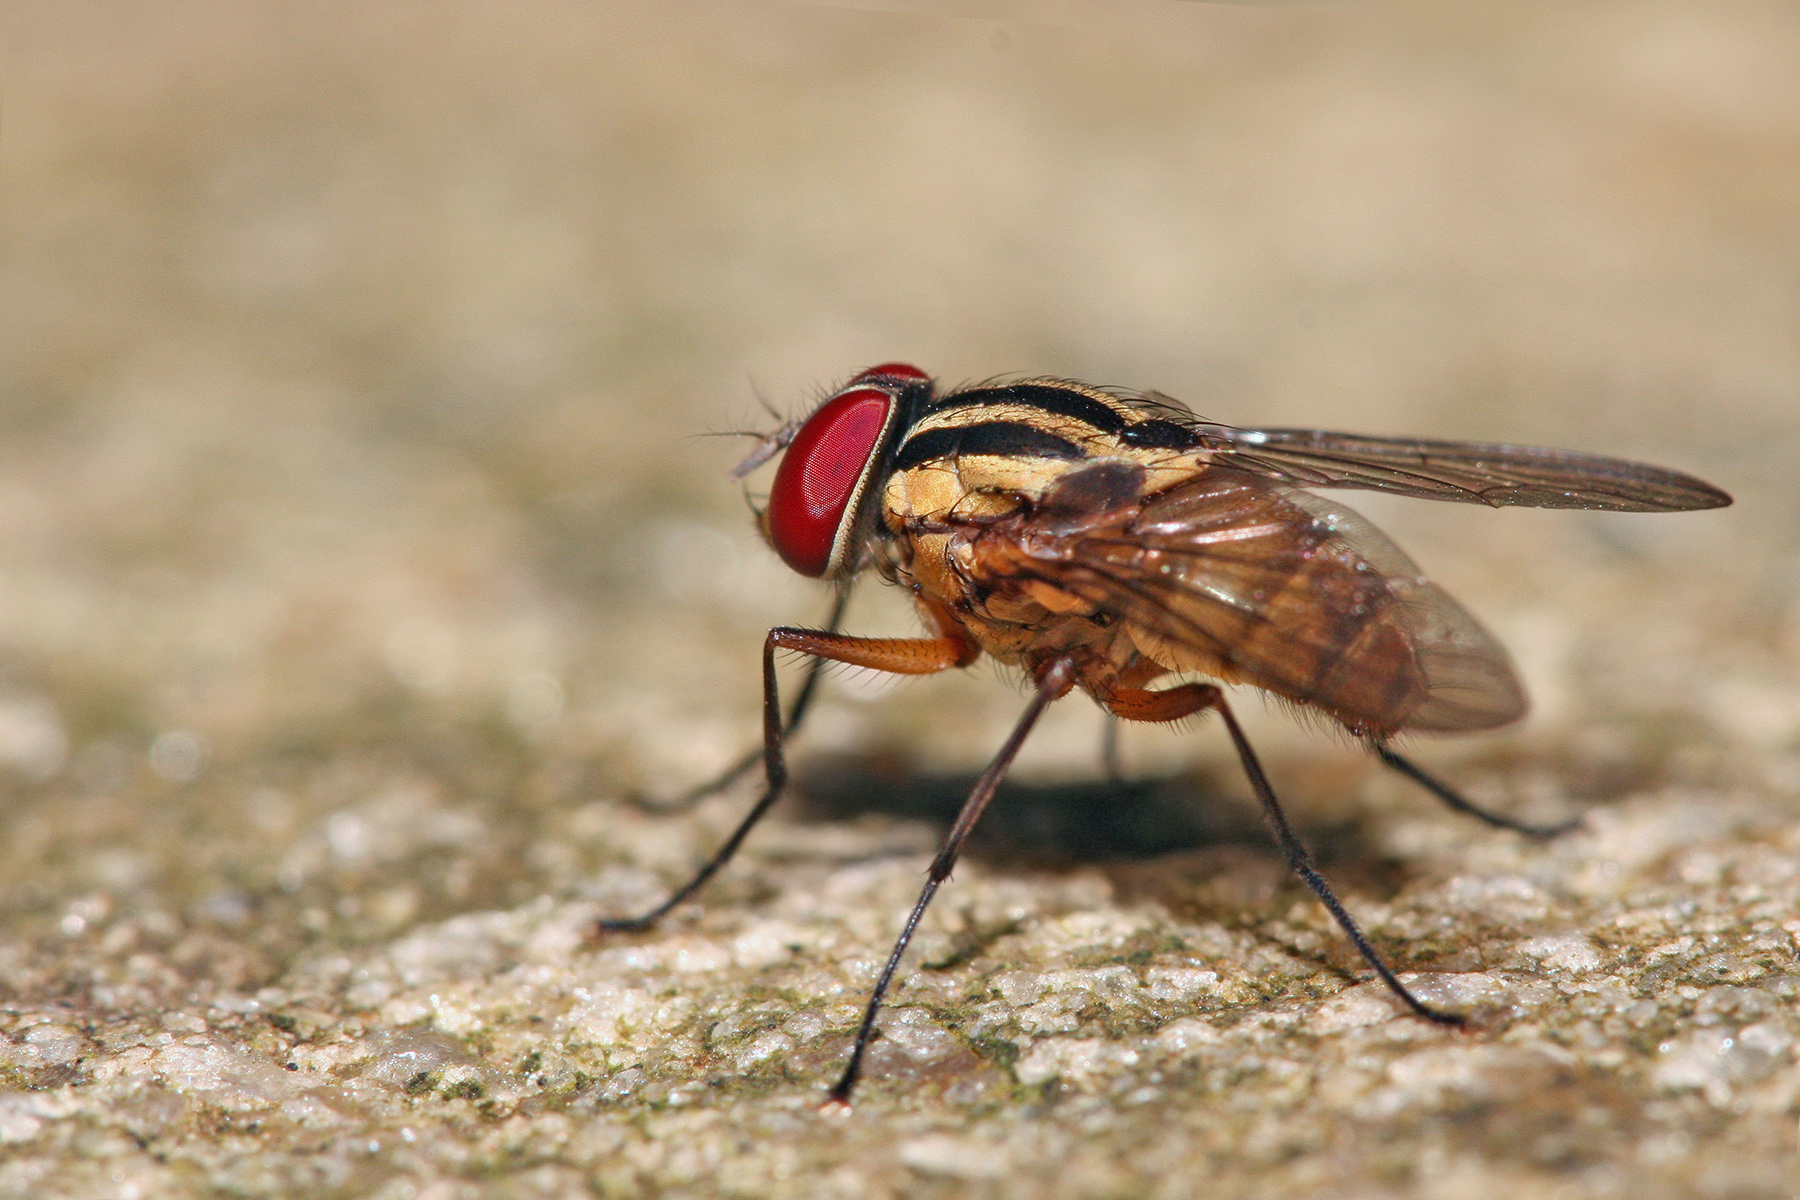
(360, 586)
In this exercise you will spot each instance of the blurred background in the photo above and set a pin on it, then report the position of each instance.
(360, 542)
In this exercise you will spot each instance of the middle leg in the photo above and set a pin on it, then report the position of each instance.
(1054, 683)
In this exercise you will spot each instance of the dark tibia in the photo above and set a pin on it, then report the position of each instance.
(742, 767)
(1055, 683)
(1454, 799)
(1301, 864)
(775, 772)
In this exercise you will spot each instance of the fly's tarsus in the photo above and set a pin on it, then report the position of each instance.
(1453, 799)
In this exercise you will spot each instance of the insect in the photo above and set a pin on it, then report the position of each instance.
(1103, 540)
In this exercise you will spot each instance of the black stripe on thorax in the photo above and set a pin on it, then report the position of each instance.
(1159, 434)
(1012, 439)
(1064, 402)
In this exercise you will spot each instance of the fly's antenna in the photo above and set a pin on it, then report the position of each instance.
(768, 445)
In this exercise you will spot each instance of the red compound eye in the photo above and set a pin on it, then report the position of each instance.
(904, 371)
(810, 505)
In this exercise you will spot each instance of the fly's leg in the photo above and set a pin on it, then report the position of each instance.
(1454, 799)
(1174, 703)
(1110, 761)
(737, 770)
(1054, 683)
(901, 656)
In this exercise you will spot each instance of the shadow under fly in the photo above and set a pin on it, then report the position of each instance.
(1049, 824)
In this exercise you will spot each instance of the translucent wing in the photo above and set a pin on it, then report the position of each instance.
(1471, 472)
(1259, 583)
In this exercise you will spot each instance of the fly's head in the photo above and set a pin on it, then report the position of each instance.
(820, 511)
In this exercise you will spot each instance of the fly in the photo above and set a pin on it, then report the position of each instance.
(1101, 541)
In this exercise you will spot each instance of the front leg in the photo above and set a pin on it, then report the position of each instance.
(901, 656)
(742, 767)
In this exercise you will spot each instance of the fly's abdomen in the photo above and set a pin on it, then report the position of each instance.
(1336, 638)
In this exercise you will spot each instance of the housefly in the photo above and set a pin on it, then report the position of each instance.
(1102, 541)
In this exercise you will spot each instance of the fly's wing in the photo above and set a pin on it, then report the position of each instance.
(1259, 583)
(1472, 472)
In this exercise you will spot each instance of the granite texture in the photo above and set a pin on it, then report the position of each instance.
(362, 588)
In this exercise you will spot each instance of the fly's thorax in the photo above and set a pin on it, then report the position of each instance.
(983, 452)
(975, 489)
(932, 516)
